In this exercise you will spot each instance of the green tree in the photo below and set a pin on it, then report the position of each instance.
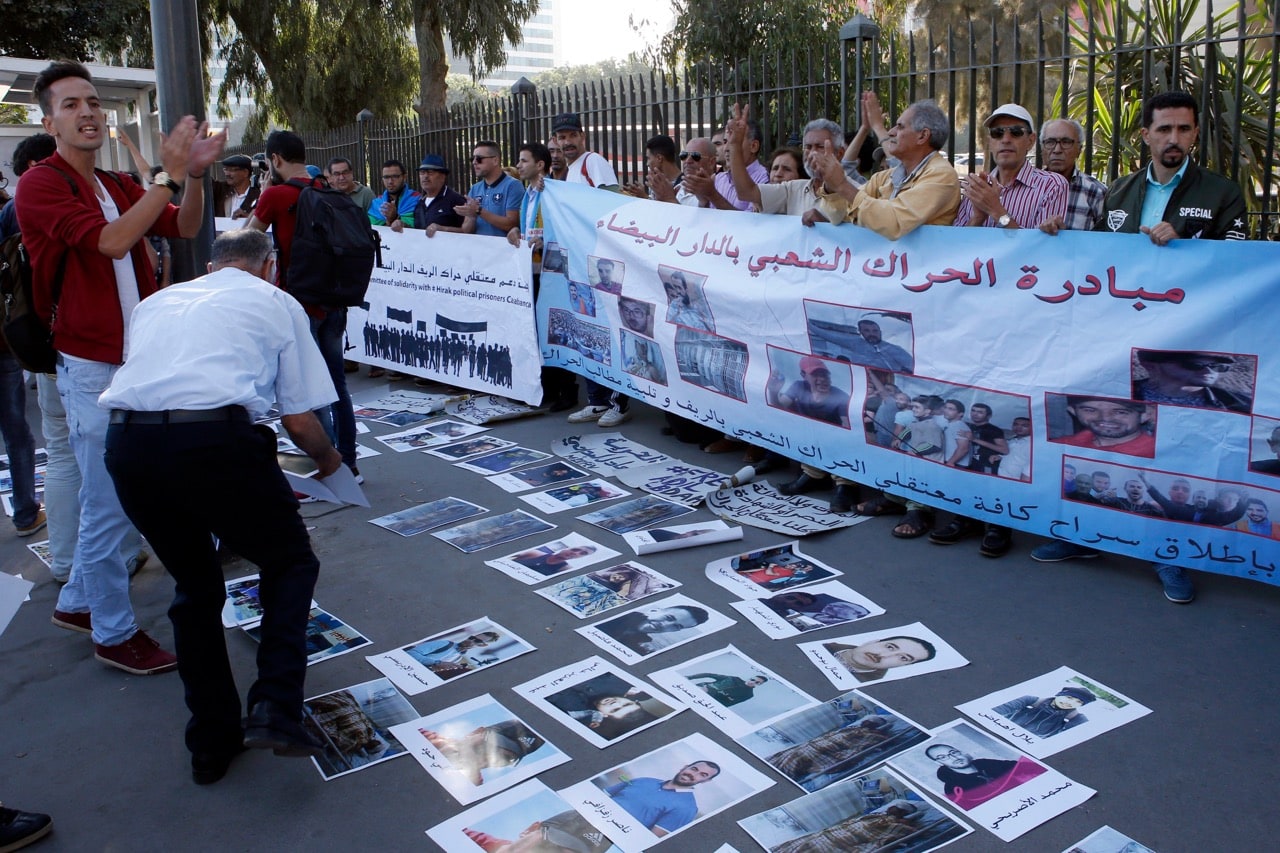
(729, 31)
(570, 75)
(478, 30)
(314, 64)
(464, 90)
(13, 114)
(76, 29)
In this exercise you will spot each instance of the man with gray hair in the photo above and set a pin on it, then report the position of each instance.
(206, 358)
(792, 197)
(1062, 140)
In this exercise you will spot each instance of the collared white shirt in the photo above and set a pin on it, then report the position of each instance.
(225, 339)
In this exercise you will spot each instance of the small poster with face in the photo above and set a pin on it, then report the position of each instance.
(525, 817)
(768, 571)
(635, 514)
(327, 636)
(431, 434)
(798, 611)
(574, 495)
(1046, 715)
(640, 634)
(477, 748)
(354, 726)
(607, 589)
(471, 447)
(998, 787)
(454, 653)
(569, 553)
(494, 530)
(598, 701)
(504, 460)
(657, 539)
(888, 654)
(824, 744)
(732, 691)
(539, 476)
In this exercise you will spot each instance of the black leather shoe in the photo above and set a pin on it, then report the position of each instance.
(844, 499)
(268, 727)
(958, 529)
(995, 542)
(209, 767)
(804, 483)
(18, 829)
(563, 404)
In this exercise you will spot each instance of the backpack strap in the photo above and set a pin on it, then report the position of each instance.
(62, 262)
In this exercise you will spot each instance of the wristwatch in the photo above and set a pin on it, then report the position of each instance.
(1005, 221)
(163, 179)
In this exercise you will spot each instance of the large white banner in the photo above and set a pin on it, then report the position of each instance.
(1128, 390)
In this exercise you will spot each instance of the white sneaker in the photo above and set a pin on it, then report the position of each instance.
(587, 415)
(613, 417)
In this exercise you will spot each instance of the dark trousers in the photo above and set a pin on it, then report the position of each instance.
(182, 484)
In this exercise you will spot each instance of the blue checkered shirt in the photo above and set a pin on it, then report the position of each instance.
(1084, 202)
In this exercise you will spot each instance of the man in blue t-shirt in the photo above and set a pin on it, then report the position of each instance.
(663, 807)
(493, 202)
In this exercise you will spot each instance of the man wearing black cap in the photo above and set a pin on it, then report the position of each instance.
(435, 210)
(243, 192)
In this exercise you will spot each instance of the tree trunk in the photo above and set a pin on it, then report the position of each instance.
(433, 64)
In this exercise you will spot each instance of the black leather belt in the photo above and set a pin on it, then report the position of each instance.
(181, 416)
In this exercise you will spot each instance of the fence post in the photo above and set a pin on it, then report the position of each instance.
(522, 92)
(362, 119)
(859, 30)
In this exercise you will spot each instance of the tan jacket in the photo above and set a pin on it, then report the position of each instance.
(929, 197)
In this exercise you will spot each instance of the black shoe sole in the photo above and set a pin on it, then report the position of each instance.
(286, 747)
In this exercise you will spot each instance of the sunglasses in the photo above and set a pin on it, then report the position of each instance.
(480, 158)
(696, 155)
(1015, 132)
(1195, 364)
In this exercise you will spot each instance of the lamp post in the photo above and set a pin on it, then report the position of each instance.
(362, 119)
(857, 33)
(522, 92)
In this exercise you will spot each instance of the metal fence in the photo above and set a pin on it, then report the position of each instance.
(1096, 67)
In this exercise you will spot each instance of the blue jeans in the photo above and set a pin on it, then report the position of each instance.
(338, 420)
(18, 442)
(62, 484)
(99, 580)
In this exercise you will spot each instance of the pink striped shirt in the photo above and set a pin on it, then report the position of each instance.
(1034, 196)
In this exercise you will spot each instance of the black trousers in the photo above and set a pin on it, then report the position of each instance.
(182, 484)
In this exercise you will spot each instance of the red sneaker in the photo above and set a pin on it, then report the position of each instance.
(139, 655)
(80, 622)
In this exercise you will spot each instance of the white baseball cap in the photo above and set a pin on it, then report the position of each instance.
(1013, 111)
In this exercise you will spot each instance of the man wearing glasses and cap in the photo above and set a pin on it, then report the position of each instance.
(237, 171)
(1016, 194)
(1189, 379)
(435, 211)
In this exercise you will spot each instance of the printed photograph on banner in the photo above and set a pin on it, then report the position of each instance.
(759, 504)
(1264, 447)
(606, 274)
(712, 362)
(327, 636)
(732, 691)
(404, 419)
(555, 258)
(1102, 423)
(686, 300)
(429, 434)
(529, 817)
(607, 589)
(471, 447)
(607, 453)
(42, 552)
(566, 329)
(963, 426)
(569, 553)
(634, 514)
(824, 744)
(423, 517)
(809, 386)
(636, 316)
(657, 539)
(1046, 715)
(996, 786)
(503, 461)
(888, 654)
(642, 358)
(598, 701)
(875, 812)
(487, 532)
(872, 337)
(651, 630)
(459, 651)
(477, 748)
(582, 298)
(675, 480)
(766, 571)
(537, 477)
(798, 611)
(354, 726)
(654, 797)
(1203, 380)
(1234, 507)
(573, 496)
(1108, 840)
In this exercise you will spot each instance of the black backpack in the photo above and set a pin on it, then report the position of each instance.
(334, 248)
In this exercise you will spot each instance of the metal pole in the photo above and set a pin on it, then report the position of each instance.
(180, 92)
(363, 119)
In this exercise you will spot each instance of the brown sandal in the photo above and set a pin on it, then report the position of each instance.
(914, 523)
(880, 505)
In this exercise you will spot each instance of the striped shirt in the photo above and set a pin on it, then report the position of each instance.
(1084, 203)
(1033, 196)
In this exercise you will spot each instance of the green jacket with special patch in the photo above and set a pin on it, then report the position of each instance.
(1203, 206)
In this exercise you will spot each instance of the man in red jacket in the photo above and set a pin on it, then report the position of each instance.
(92, 225)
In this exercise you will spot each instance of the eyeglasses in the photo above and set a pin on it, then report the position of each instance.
(337, 174)
(394, 176)
(1015, 132)
(1057, 143)
(685, 155)
(1199, 364)
(480, 158)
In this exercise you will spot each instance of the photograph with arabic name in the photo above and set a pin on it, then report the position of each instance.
(354, 725)
(1045, 715)
(813, 608)
(607, 589)
(874, 813)
(431, 661)
(423, 517)
(573, 496)
(568, 553)
(327, 636)
(539, 476)
(650, 630)
(1001, 789)
(473, 447)
(529, 817)
(887, 654)
(494, 530)
(767, 571)
(636, 513)
(823, 744)
(504, 460)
